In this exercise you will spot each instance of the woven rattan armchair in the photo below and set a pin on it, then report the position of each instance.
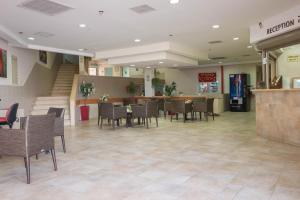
(59, 124)
(111, 112)
(146, 111)
(37, 135)
(180, 107)
(205, 106)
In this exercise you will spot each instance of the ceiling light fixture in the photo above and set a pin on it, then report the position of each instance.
(236, 38)
(82, 25)
(80, 49)
(249, 47)
(137, 40)
(132, 65)
(161, 62)
(174, 2)
(216, 26)
(148, 67)
(220, 62)
(31, 38)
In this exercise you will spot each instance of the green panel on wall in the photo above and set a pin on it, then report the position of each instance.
(108, 71)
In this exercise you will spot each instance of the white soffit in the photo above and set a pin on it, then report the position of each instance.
(157, 51)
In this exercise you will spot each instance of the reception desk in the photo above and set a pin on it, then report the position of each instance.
(278, 115)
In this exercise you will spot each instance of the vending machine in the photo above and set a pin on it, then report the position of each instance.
(239, 92)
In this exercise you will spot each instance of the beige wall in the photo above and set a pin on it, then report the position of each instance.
(288, 70)
(187, 79)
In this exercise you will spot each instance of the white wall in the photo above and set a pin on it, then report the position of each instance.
(26, 59)
(288, 70)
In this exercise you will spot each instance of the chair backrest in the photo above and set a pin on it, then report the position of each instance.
(39, 133)
(152, 108)
(106, 110)
(179, 106)
(59, 112)
(200, 105)
(11, 114)
(210, 104)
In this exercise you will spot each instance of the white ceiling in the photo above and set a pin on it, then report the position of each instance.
(189, 21)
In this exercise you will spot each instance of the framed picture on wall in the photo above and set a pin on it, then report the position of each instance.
(3, 63)
(43, 56)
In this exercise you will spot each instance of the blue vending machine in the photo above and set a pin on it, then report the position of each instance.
(239, 92)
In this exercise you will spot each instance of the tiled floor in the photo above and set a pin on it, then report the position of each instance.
(215, 160)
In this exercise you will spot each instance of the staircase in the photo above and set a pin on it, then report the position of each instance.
(60, 94)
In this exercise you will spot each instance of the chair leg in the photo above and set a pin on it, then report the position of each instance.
(27, 165)
(37, 156)
(113, 124)
(171, 118)
(10, 126)
(165, 114)
(200, 113)
(98, 120)
(156, 121)
(206, 115)
(147, 122)
(213, 115)
(54, 159)
(184, 117)
(101, 124)
(63, 143)
(176, 116)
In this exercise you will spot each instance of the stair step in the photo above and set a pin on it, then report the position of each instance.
(52, 102)
(46, 107)
(54, 98)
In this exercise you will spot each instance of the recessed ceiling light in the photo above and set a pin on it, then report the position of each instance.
(31, 38)
(174, 1)
(220, 62)
(148, 67)
(216, 26)
(132, 65)
(80, 49)
(236, 38)
(161, 62)
(82, 25)
(249, 47)
(137, 40)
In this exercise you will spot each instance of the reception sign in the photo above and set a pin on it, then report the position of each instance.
(207, 77)
(276, 25)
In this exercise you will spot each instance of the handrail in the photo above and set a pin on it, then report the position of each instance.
(73, 97)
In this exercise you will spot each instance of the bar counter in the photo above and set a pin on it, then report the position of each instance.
(278, 115)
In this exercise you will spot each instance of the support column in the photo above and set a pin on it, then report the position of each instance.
(148, 76)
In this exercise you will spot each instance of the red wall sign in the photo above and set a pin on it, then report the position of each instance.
(207, 77)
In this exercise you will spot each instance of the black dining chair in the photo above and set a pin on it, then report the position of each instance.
(11, 116)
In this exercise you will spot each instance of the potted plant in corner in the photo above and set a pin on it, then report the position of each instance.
(86, 89)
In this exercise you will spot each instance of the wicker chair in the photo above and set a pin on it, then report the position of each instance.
(168, 107)
(11, 116)
(205, 106)
(111, 112)
(37, 135)
(180, 107)
(146, 111)
(59, 124)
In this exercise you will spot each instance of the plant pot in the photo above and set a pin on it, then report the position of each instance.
(85, 112)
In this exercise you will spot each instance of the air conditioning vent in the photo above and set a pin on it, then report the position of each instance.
(218, 58)
(43, 34)
(46, 7)
(215, 42)
(142, 9)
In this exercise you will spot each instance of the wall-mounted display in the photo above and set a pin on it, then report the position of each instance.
(207, 77)
(3, 63)
(43, 56)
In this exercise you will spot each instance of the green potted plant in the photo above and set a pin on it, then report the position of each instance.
(170, 89)
(132, 88)
(86, 89)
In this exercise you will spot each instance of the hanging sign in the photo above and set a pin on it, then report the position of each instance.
(207, 77)
(276, 25)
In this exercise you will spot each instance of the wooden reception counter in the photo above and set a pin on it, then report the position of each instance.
(278, 115)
